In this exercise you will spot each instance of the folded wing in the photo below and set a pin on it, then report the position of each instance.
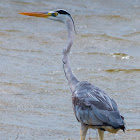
(94, 107)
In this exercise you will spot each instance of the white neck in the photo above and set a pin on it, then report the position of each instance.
(72, 81)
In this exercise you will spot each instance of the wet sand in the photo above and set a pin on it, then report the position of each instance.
(35, 100)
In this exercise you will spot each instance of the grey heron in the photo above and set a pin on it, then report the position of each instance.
(92, 107)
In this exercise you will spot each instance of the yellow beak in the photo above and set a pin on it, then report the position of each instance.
(39, 14)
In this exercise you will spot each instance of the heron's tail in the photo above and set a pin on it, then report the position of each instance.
(123, 128)
(111, 118)
(117, 123)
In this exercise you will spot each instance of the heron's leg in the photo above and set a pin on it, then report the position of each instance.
(101, 134)
(83, 131)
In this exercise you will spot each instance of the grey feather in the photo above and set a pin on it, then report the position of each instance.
(94, 107)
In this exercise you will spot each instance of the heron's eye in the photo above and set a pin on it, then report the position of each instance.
(54, 14)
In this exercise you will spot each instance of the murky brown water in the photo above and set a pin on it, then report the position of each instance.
(35, 100)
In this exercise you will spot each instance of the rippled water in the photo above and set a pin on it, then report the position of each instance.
(35, 100)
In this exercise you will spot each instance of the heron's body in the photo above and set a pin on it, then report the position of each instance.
(95, 109)
(92, 107)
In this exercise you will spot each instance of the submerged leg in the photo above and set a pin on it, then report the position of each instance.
(83, 131)
(101, 134)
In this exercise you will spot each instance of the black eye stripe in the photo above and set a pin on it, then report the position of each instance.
(63, 12)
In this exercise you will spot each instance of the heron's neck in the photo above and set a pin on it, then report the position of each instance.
(72, 81)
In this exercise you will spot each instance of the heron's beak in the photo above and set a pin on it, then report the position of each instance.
(39, 14)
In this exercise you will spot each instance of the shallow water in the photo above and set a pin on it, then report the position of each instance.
(35, 100)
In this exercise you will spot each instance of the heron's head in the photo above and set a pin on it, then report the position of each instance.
(58, 15)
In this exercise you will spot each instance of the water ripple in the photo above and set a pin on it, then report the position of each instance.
(123, 70)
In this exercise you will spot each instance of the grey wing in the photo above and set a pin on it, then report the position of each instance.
(93, 107)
